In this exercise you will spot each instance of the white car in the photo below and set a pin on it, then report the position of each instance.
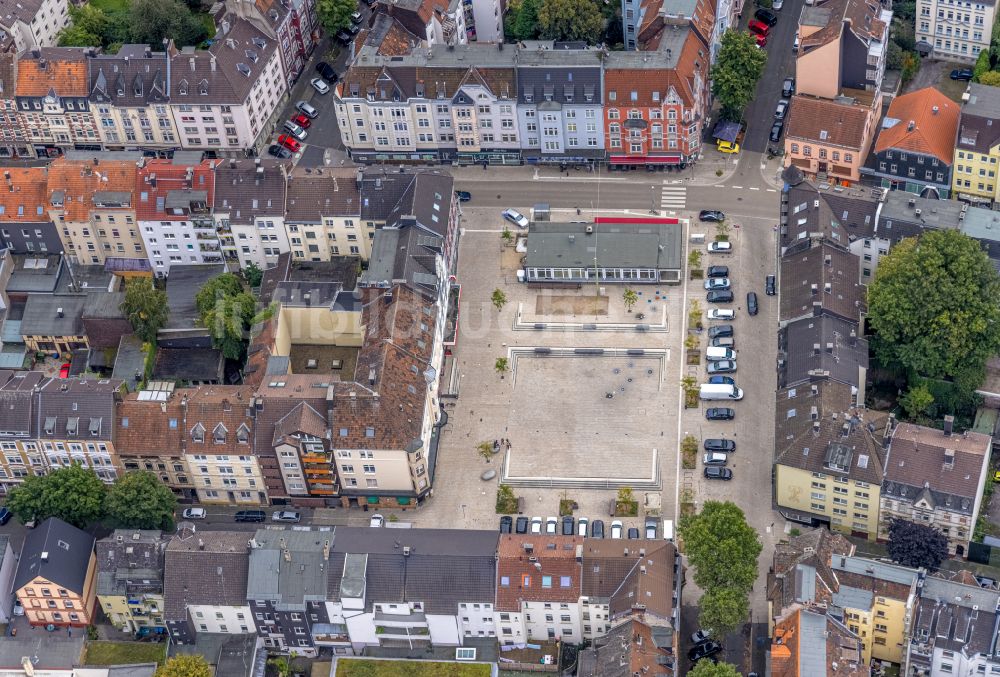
(721, 313)
(194, 514)
(536, 525)
(319, 85)
(286, 516)
(376, 521)
(551, 525)
(616, 529)
(720, 247)
(296, 131)
(515, 217)
(776, 5)
(18, 609)
(581, 526)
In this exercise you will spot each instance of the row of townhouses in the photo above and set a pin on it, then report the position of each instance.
(836, 462)
(338, 401)
(340, 590)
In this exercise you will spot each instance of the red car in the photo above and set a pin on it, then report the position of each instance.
(289, 143)
(761, 40)
(302, 121)
(64, 371)
(759, 27)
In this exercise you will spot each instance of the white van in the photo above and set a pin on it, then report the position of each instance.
(719, 391)
(723, 314)
(668, 530)
(713, 353)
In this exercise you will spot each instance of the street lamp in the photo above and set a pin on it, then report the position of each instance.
(652, 197)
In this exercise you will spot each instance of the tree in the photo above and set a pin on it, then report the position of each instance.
(499, 299)
(935, 307)
(916, 545)
(710, 669)
(894, 57)
(625, 495)
(736, 71)
(253, 275)
(721, 547)
(140, 501)
(506, 500)
(501, 365)
(150, 21)
(485, 449)
(991, 78)
(570, 20)
(522, 20)
(335, 14)
(982, 65)
(284, 665)
(694, 258)
(506, 235)
(221, 287)
(185, 666)
(630, 298)
(228, 323)
(77, 36)
(145, 307)
(722, 610)
(917, 400)
(86, 23)
(73, 494)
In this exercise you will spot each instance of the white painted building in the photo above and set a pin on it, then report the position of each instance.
(956, 31)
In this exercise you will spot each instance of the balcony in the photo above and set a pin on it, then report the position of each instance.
(400, 620)
(317, 472)
(315, 458)
(206, 235)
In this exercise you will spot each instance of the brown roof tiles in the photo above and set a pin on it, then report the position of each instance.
(62, 70)
(75, 183)
(828, 123)
(934, 119)
(23, 194)
(558, 580)
(919, 457)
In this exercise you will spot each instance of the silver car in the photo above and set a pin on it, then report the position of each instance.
(286, 516)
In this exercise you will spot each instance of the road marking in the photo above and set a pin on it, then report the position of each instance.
(771, 190)
(738, 187)
(754, 188)
(672, 196)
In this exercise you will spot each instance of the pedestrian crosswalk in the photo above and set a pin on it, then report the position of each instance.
(673, 197)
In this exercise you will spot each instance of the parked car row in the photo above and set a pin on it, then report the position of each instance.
(568, 526)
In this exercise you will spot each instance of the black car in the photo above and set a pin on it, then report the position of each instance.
(712, 215)
(766, 16)
(249, 516)
(505, 524)
(720, 330)
(788, 87)
(344, 37)
(521, 525)
(705, 649)
(717, 271)
(752, 303)
(633, 532)
(463, 195)
(769, 285)
(597, 529)
(279, 152)
(720, 414)
(723, 342)
(326, 71)
(776, 129)
(962, 74)
(5, 514)
(719, 444)
(714, 472)
(353, 29)
(568, 526)
(720, 296)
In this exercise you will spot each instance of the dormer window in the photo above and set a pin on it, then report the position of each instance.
(243, 434)
(219, 434)
(72, 425)
(203, 88)
(198, 433)
(95, 427)
(182, 87)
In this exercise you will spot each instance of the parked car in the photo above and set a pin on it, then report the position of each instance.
(711, 215)
(597, 529)
(536, 525)
(306, 109)
(5, 515)
(721, 330)
(279, 152)
(353, 29)
(714, 458)
(701, 636)
(18, 609)
(717, 473)
(581, 526)
(788, 87)
(289, 143)
(633, 532)
(781, 110)
(650, 531)
(962, 74)
(505, 524)
(64, 370)
(777, 4)
(717, 283)
(302, 121)
(766, 16)
(551, 525)
(717, 271)
(721, 367)
(729, 147)
(720, 444)
(705, 649)
(761, 40)
(720, 247)
(344, 37)
(463, 195)
(286, 516)
(776, 130)
(721, 380)
(521, 525)
(356, 18)
(568, 525)
(296, 131)
(326, 71)
(720, 296)
(769, 285)
(752, 303)
(724, 342)
(515, 217)
(758, 27)
(250, 516)
(376, 521)
(721, 314)
(720, 414)
(795, 43)
(320, 85)
(194, 513)
(616, 529)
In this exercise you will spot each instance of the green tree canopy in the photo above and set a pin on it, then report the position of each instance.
(150, 21)
(721, 547)
(571, 20)
(185, 666)
(935, 307)
(709, 669)
(253, 274)
(145, 307)
(140, 501)
(722, 610)
(522, 20)
(736, 71)
(991, 78)
(335, 14)
(916, 545)
(220, 287)
(228, 322)
(73, 494)
(917, 400)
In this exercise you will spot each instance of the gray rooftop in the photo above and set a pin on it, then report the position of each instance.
(983, 101)
(182, 286)
(35, 273)
(812, 643)
(902, 206)
(623, 245)
(57, 552)
(852, 598)
(53, 315)
(232, 655)
(982, 224)
(316, 295)
(869, 567)
(822, 346)
(289, 567)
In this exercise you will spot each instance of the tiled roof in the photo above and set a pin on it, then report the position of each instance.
(148, 428)
(217, 409)
(208, 569)
(861, 17)
(630, 573)
(951, 616)
(161, 177)
(388, 37)
(877, 578)
(559, 581)
(948, 466)
(77, 408)
(822, 278)
(18, 404)
(822, 346)
(331, 192)
(247, 189)
(808, 643)
(818, 428)
(978, 128)
(13, 11)
(837, 214)
(130, 559)
(827, 123)
(924, 121)
(135, 76)
(58, 552)
(627, 650)
(800, 569)
(76, 187)
(24, 195)
(59, 70)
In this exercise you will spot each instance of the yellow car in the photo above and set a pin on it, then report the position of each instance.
(728, 146)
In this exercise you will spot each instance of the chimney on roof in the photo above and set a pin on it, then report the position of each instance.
(45, 555)
(949, 424)
(910, 126)
(59, 312)
(934, 110)
(201, 544)
(326, 549)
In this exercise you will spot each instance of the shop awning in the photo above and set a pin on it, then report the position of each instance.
(373, 500)
(645, 159)
(403, 500)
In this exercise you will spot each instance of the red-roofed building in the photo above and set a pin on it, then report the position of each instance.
(174, 211)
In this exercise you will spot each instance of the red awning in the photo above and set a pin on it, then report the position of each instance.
(663, 160)
(645, 159)
(627, 160)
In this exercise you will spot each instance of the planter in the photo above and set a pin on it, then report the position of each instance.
(693, 357)
(626, 509)
(691, 399)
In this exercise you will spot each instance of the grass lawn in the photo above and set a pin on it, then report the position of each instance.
(123, 653)
(110, 6)
(351, 667)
